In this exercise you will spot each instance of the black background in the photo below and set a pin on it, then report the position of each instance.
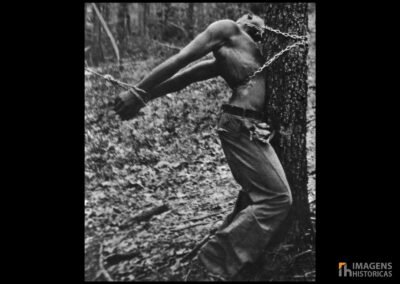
(356, 138)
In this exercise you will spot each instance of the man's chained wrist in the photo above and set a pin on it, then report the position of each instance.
(142, 98)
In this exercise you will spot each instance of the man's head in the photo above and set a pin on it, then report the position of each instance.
(252, 24)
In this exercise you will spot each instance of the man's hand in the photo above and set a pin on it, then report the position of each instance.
(128, 104)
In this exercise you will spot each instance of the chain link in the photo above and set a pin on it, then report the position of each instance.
(273, 58)
(126, 86)
(265, 27)
(303, 40)
(293, 36)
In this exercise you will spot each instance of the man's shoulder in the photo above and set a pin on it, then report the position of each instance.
(223, 28)
(225, 23)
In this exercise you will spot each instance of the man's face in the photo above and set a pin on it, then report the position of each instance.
(249, 24)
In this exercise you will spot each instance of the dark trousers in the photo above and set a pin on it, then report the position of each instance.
(263, 201)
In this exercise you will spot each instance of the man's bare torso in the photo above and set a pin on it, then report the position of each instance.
(236, 60)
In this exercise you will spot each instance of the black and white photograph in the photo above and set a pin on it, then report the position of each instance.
(199, 151)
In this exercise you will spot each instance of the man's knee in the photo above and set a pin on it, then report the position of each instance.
(289, 200)
(284, 200)
(287, 203)
(278, 206)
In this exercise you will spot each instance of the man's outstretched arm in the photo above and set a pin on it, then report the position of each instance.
(198, 72)
(216, 35)
(211, 39)
(201, 71)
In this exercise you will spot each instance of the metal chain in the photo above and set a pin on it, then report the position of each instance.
(303, 41)
(126, 86)
(273, 58)
(265, 27)
(293, 36)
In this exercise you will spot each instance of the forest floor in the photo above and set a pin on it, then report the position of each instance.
(170, 156)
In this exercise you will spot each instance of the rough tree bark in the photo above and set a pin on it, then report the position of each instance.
(287, 105)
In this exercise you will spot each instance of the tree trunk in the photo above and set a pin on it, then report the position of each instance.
(143, 15)
(107, 30)
(97, 49)
(287, 105)
(190, 20)
(165, 19)
(121, 27)
(88, 38)
(128, 23)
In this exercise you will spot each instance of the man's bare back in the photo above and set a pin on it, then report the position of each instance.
(236, 57)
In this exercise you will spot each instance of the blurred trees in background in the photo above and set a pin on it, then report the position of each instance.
(136, 25)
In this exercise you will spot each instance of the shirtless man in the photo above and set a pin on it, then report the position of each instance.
(265, 198)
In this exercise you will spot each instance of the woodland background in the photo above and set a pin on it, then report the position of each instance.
(169, 159)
